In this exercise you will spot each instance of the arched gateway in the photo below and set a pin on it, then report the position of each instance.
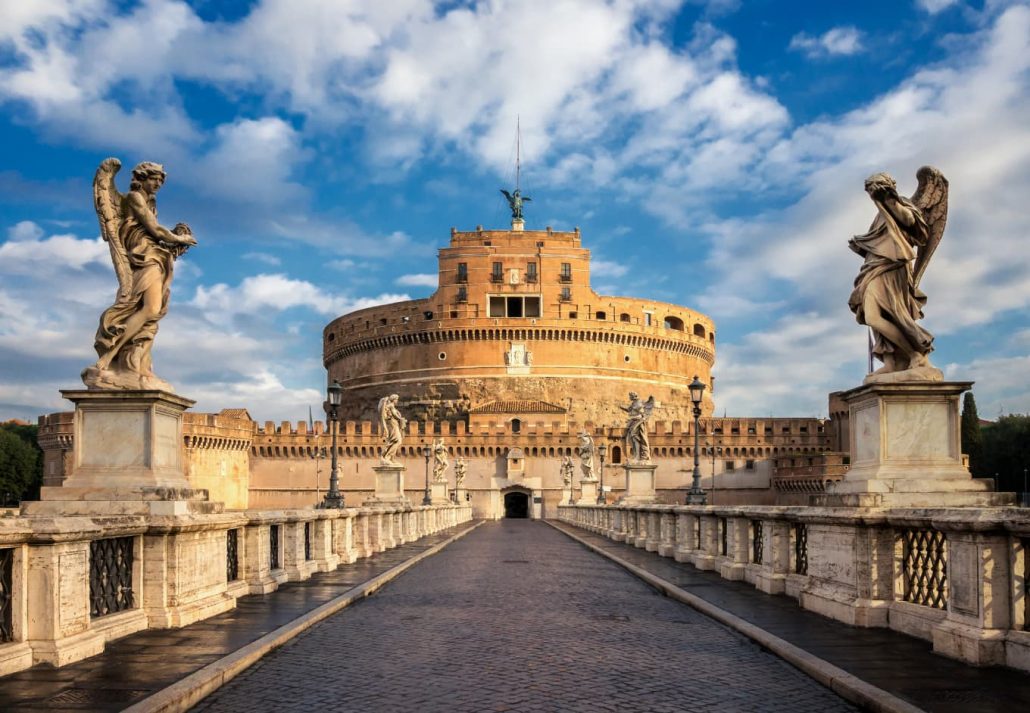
(516, 504)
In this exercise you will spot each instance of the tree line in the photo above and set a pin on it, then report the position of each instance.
(998, 450)
(21, 463)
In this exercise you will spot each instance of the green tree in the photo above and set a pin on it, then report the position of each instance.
(21, 467)
(972, 438)
(1006, 451)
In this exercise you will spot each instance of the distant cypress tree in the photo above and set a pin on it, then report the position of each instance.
(972, 438)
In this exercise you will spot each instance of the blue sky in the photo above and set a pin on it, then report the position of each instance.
(713, 154)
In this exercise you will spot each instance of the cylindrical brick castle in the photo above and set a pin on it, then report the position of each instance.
(515, 329)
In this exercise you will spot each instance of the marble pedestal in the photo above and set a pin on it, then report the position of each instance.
(566, 496)
(389, 485)
(587, 492)
(127, 459)
(461, 496)
(906, 450)
(639, 484)
(438, 493)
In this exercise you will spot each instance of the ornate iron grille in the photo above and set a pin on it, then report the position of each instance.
(110, 576)
(722, 536)
(800, 548)
(232, 555)
(756, 541)
(273, 547)
(925, 567)
(6, 595)
(307, 541)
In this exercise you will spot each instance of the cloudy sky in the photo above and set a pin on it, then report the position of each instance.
(713, 154)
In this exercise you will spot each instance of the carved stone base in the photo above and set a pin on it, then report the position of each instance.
(566, 496)
(389, 485)
(587, 492)
(918, 374)
(906, 449)
(640, 485)
(438, 493)
(127, 439)
(68, 501)
(111, 379)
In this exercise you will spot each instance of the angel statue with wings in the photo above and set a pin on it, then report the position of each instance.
(143, 252)
(391, 428)
(897, 249)
(515, 201)
(638, 412)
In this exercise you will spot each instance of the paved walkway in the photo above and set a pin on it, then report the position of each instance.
(136, 666)
(901, 665)
(518, 617)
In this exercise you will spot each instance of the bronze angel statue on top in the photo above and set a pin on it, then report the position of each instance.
(515, 201)
(143, 252)
(897, 249)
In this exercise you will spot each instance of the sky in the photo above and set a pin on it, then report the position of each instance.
(712, 153)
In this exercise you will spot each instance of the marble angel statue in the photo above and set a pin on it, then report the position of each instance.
(638, 413)
(391, 428)
(143, 252)
(440, 461)
(585, 451)
(896, 250)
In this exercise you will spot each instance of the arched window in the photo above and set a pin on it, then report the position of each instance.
(616, 454)
(516, 425)
(699, 331)
(674, 323)
(601, 315)
(624, 317)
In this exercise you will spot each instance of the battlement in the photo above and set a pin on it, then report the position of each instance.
(514, 238)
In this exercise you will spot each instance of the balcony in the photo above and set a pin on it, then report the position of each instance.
(565, 277)
(497, 277)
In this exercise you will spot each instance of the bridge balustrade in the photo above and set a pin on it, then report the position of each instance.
(68, 585)
(958, 577)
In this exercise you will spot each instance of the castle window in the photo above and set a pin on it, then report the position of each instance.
(531, 272)
(624, 317)
(566, 294)
(648, 318)
(730, 465)
(331, 337)
(699, 331)
(616, 455)
(463, 295)
(497, 275)
(749, 465)
(601, 316)
(442, 356)
(463, 272)
(674, 323)
(514, 306)
(573, 315)
(516, 427)
(566, 272)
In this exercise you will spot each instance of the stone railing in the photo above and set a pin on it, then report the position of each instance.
(68, 585)
(957, 577)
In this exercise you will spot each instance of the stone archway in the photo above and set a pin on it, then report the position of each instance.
(516, 504)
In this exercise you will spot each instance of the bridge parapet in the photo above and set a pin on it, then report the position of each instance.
(954, 576)
(68, 585)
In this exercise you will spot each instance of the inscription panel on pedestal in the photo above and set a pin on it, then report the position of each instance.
(167, 440)
(917, 430)
(111, 438)
(72, 596)
(963, 580)
(831, 555)
(866, 447)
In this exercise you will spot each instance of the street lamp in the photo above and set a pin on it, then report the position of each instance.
(602, 451)
(427, 499)
(696, 496)
(334, 397)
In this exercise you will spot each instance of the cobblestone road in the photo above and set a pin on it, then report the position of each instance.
(517, 617)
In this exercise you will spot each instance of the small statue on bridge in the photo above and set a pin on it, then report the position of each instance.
(460, 467)
(637, 443)
(391, 428)
(567, 468)
(440, 461)
(143, 252)
(585, 450)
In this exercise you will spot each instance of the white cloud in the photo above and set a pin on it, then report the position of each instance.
(418, 280)
(25, 230)
(838, 41)
(1002, 383)
(935, 6)
(607, 268)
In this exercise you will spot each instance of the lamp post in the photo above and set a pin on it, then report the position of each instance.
(334, 397)
(602, 451)
(427, 499)
(696, 496)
